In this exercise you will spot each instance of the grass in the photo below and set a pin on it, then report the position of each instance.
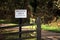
(2, 21)
(50, 28)
(31, 39)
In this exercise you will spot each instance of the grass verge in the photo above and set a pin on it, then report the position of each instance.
(51, 28)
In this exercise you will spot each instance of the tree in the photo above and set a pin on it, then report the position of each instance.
(42, 8)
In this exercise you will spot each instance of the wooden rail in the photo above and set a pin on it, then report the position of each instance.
(14, 33)
(6, 27)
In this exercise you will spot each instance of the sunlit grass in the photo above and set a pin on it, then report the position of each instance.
(50, 28)
(31, 39)
(2, 20)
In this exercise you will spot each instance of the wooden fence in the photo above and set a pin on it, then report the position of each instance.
(38, 31)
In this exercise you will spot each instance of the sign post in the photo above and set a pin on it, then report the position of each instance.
(20, 27)
(22, 13)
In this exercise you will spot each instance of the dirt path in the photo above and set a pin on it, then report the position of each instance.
(48, 35)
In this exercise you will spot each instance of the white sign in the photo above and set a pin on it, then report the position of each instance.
(22, 13)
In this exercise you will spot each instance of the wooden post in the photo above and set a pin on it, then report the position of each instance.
(38, 22)
(20, 27)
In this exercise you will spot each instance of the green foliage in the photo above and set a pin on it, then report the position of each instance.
(43, 8)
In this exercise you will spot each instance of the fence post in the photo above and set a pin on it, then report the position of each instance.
(38, 22)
